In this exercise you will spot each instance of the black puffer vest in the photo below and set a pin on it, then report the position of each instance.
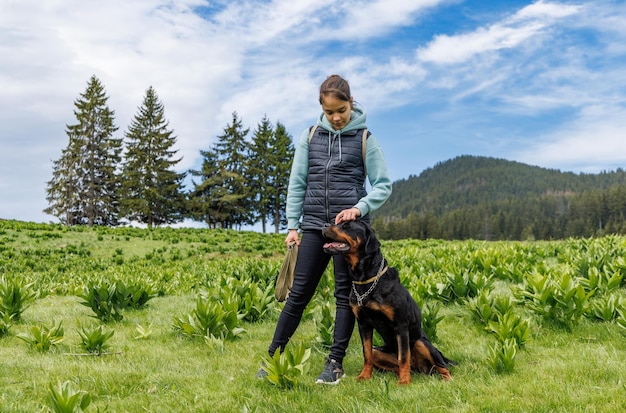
(336, 179)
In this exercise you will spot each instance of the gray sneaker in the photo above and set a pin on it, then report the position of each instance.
(262, 373)
(333, 372)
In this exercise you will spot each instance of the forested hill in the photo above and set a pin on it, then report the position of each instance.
(489, 198)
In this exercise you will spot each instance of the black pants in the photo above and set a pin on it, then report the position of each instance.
(311, 263)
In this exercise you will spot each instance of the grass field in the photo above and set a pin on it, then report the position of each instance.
(572, 364)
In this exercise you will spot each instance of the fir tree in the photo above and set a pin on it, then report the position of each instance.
(85, 181)
(203, 198)
(152, 189)
(281, 159)
(223, 197)
(269, 169)
(63, 188)
(260, 170)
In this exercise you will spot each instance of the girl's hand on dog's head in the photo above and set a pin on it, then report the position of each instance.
(347, 215)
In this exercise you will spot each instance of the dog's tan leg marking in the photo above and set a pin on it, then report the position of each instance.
(355, 310)
(368, 360)
(385, 361)
(404, 361)
(424, 362)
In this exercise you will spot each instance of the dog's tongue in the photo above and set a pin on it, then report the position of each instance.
(333, 245)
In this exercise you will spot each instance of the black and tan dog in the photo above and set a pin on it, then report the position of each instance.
(380, 302)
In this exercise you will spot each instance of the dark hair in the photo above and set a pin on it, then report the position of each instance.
(336, 86)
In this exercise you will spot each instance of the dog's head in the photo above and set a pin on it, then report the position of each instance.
(354, 239)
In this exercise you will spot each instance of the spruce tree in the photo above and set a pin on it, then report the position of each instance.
(223, 197)
(281, 159)
(85, 181)
(260, 170)
(152, 190)
(203, 202)
(63, 188)
(269, 169)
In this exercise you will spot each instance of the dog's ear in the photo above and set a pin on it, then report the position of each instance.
(371, 242)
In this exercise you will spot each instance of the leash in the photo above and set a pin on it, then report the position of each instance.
(359, 298)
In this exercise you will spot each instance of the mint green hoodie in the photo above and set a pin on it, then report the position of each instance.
(374, 163)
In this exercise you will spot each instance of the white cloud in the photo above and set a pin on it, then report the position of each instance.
(592, 143)
(370, 19)
(128, 45)
(530, 21)
(258, 23)
(532, 61)
(311, 21)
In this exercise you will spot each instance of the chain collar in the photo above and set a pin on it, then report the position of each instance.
(374, 280)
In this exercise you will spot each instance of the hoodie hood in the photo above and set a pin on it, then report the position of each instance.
(357, 121)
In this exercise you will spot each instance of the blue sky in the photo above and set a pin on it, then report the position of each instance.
(539, 82)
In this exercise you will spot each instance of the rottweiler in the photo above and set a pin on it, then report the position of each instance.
(380, 302)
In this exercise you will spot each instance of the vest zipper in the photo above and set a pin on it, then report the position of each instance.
(331, 141)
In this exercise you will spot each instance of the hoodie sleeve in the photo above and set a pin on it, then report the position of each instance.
(298, 182)
(378, 177)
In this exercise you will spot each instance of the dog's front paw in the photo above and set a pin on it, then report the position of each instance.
(405, 379)
(365, 374)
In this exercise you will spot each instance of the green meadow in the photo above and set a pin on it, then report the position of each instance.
(178, 320)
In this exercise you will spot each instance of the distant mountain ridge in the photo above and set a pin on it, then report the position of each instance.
(487, 189)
